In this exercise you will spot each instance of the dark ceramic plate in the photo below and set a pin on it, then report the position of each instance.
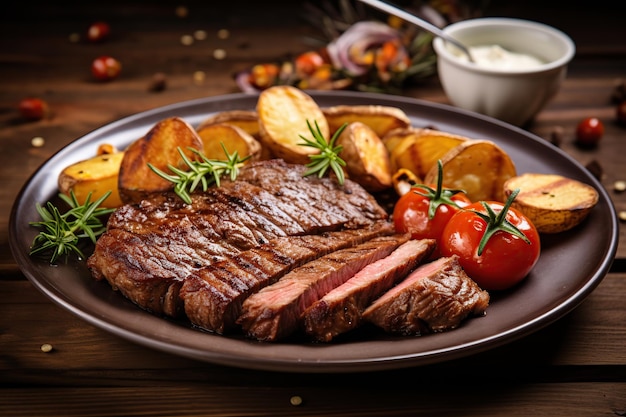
(572, 264)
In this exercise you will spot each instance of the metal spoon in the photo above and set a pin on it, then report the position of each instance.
(393, 10)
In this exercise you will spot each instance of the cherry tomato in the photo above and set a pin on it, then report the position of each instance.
(33, 108)
(425, 210)
(506, 257)
(98, 31)
(307, 63)
(105, 68)
(589, 131)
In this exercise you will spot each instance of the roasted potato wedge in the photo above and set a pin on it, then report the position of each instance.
(381, 119)
(403, 180)
(233, 138)
(248, 120)
(479, 167)
(552, 202)
(96, 175)
(367, 160)
(158, 147)
(283, 114)
(418, 150)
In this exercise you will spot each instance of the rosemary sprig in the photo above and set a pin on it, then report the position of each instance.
(62, 231)
(204, 172)
(329, 153)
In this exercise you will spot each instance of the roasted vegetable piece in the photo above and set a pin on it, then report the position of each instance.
(418, 150)
(478, 167)
(232, 138)
(381, 119)
(283, 114)
(158, 147)
(367, 160)
(96, 176)
(247, 120)
(552, 202)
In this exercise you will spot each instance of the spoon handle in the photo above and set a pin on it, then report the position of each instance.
(393, 10)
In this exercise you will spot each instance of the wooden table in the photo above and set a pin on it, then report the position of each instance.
(574, 367)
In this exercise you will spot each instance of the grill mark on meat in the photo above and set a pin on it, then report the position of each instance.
(435, 297)
(159, 242)
(213, 295)
(341, 309)
(274, 312)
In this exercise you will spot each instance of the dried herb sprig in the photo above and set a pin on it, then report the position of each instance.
(203, 172)
(329, 153)
(62, 232)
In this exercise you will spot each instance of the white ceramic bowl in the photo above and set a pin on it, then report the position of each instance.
(513, 95)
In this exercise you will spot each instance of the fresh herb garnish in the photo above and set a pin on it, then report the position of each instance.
(205, 171)
(62, 232)
(329, 153)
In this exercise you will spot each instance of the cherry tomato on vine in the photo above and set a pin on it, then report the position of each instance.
(105, 68)
(589, 131)
(497, 245)
(425, 210)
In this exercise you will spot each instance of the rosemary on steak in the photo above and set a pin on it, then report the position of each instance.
(62, 232)
(203, 172)
(328, 157)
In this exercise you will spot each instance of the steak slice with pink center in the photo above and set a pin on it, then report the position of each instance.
(275, 311)
(213, 295)
(435, 297)
(340, 310)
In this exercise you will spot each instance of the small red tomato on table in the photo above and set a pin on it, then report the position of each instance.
(33, 108)
(589, 132)
(424, 211)
(497, 244)
(98, 32)
(105, 68)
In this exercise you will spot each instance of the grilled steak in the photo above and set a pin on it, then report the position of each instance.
(274, 312)
(340, 310)
(213, 295)
(435, 297)
(150, 248)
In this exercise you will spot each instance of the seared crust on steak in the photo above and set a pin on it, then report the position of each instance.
(435, 297)
(275, 311)
(340, 310)
(150, 248)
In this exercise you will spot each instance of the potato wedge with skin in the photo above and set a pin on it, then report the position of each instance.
(158, 147)
(367, 160)
(418, 150)
(381, 119)
(283, 114)
(233, 138)
(248, 120)
(97, 175)
(552, 202)
(479, 167)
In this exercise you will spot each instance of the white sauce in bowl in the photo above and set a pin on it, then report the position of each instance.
(496, 57)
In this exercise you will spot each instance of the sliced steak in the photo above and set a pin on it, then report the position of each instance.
(275, 311)
(435, 297)
(340, 310)
(151, 247)
(213, 295)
